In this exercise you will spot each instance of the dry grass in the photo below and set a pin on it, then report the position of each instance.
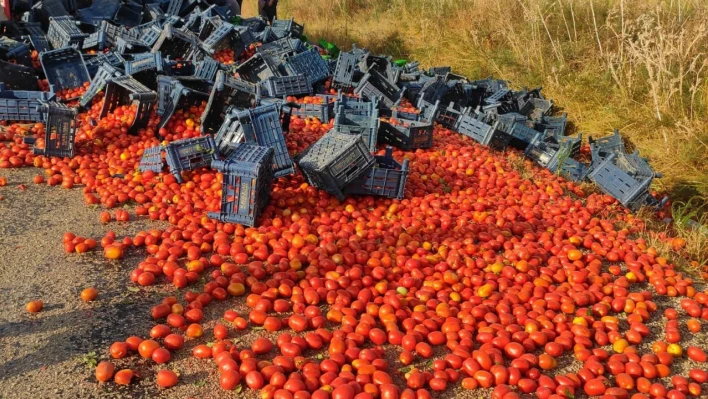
(639, 65)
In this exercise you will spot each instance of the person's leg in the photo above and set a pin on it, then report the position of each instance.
(262, 8)
(272, 14)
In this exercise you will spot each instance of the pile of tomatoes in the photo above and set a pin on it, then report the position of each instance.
(479, 278)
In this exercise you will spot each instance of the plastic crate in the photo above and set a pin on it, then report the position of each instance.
(630, 190)
(129, 14)
(175, 44)
(262, 126)
(146, 69)
(124, 90)
(183, 92)
(482, 133)
(13, 50)
(267, 35)
(37, 37)
(279, 86)
(174, 7)
(229, 133)
(281, 47)
(409, 136)
(17, 77)
(287, 28)
(309, 63)
(63, 32)
(373, 84)
(148, 33)
(382, 65)
(98, 11)
(607, 145)
(365, 126)
(573, 170)
(553, 125)
(221, 37)
(105, 73)
(247, 177)
(490, 85)
(356, 106)
(60, 131)
(345, 72)
(323, 112)
(127, 45)
(498, 96)
(515, 126)
(386, 178)
(190, 154)
(64, 69)
(334, 161)
(536, 108)
(226, 92)
(449, 117)
(104, 37)
(93, 62)
(152, 159)
(18, 105)
(439, 71)
(207, 69)
(434, 90)
(254, 24)
(549, 153)
(257, 69)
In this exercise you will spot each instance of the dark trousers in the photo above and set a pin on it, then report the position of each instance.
(267, 12)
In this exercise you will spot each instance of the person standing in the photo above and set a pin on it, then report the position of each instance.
(267, 9)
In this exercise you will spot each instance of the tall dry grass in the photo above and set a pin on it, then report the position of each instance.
(637, 65)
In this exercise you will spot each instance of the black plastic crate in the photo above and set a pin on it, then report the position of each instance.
(183, 92)
(267, 35)
(279, 86)
(63, 32)
(226, 36)
(146, 69)
(375, 85)
(309, 63)
(439, 71)
(334, 161)
(18, 105)
(98, 11)
(152, 159)
(247, 177)
(549, 153)
(254, 24)
(37, 37)
(604, 146)
(573, 170)
(414, 86)
(60, 131)
(105, 73)
(227, 92)
(13, 50)
(257, 69)
(450, 117)
(386, 178)
(287, 28)
(365, 126)
(128, 45)
(553, 125)
(64, 69)
(490, 84)
(17, 77)
(324, 112)
(429, 112)
(262, 126)
(176, 44)
(148, 33)
(380, 64)
(498, 96)
(125, 90)
(434, 89)
(631, 191)
(345, 72)
(281, 47)
(129, 14)
(521, 134)
(229, 133)
(407, 135)
(482, 133)
(105, 36)
(536, 108)
(190, 154)
(207, 68)
(93, 62)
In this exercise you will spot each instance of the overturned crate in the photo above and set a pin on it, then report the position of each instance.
(63, 32)
(553, 125)
(604, 146)
(262, 126)
(536, 108)
(229, 133)
(124, 90)
(20, 105)
(482, 133)
(226, 92)
(386, 178)
(152, 159)
(279, 86)
(175, 44)
(334, 161)
(406, 135)
(626, 177)
(309, 63)
(37, 37)
(227, 36)
(550, 153)
(367, 127)
(345, 72)
(60, 131)
(375, 85)
(189, 154)
(104, 37)
(64, 69)
(257, 69)
(247, 176)
(287, 28)
(178, 93)
(324, 111)
(105, 73)
(18, 77)
(93, 62)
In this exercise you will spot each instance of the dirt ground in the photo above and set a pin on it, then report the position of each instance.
(52, 354)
